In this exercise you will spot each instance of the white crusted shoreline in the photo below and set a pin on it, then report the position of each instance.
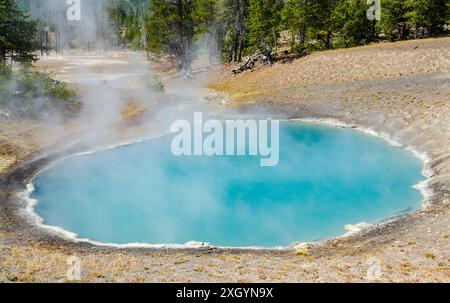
(352, 230)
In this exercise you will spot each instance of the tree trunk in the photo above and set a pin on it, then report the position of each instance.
(328, 40)
(302, 37)
(241, 28)
(304, 24)
(2, 55)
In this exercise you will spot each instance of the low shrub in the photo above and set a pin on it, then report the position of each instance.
(26, 92)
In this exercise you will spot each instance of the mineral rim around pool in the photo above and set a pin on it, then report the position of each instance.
(326, 178)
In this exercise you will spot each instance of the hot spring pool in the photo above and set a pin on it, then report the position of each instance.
(326, 178)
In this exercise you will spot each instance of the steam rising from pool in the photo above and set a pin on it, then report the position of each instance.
(327, 178)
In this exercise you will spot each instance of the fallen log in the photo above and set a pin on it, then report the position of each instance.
(252, 61)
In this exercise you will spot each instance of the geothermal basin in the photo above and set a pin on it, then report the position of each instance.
(326, 179)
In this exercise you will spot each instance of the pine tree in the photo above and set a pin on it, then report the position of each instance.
(208, 18)
(18, 34)
(264, 23)
(426, 17)
(170, 30)
(393, 21)
(235, 19)
(351, 24)
(296, 17)
(128, 17)
(310, 21)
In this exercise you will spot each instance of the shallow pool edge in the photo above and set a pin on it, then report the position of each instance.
(424, 187)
